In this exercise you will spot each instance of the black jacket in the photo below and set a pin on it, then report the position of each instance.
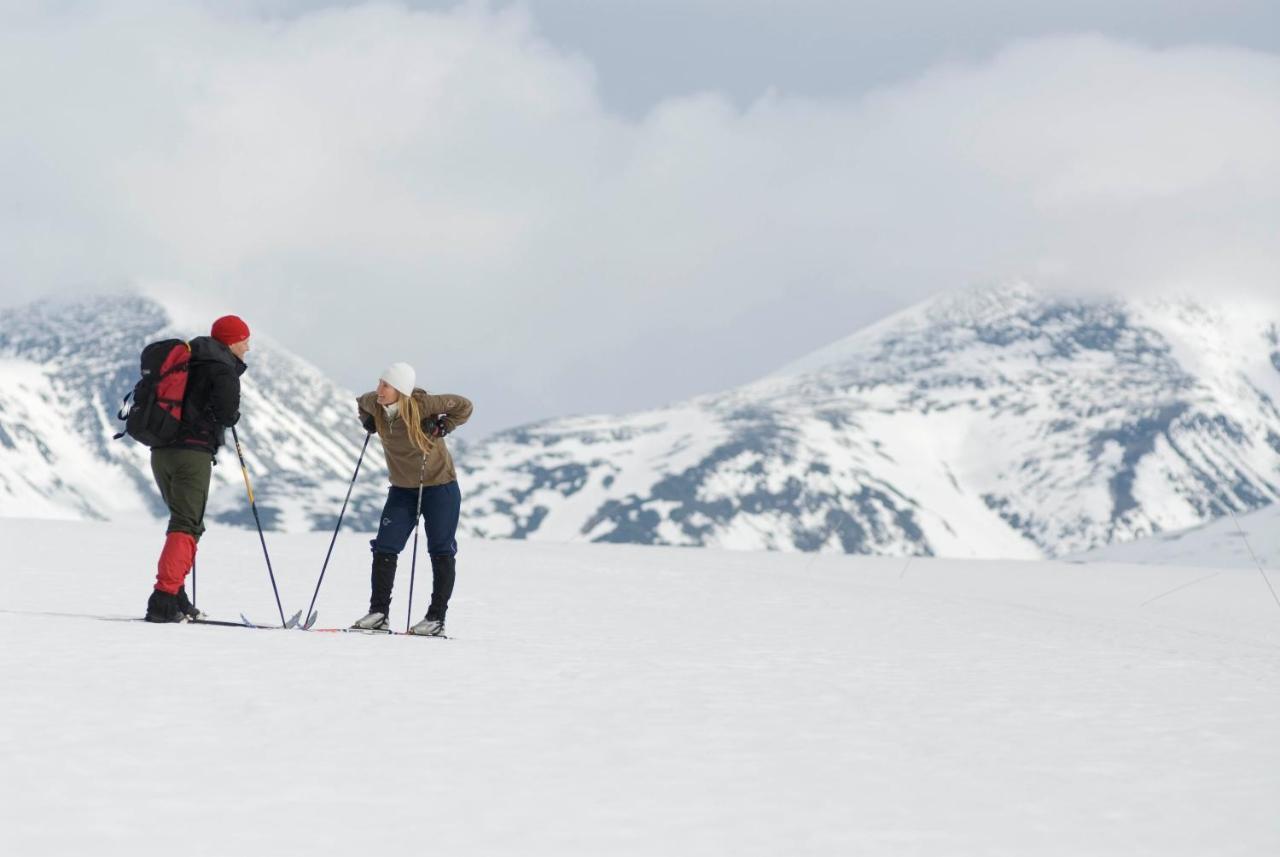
(212, 403)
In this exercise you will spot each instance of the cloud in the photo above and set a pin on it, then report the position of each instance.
(374, 183)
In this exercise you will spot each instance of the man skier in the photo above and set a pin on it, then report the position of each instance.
(182, 468)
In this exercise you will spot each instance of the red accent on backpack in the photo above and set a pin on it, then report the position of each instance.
(155, 417)
(172, 385)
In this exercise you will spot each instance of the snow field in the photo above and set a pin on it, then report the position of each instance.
(633, 701)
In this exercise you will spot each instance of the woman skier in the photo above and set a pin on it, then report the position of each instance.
(412, 424)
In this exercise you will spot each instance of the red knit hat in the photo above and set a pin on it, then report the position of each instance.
(229, 330)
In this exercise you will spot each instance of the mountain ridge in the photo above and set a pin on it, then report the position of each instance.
(64, 369)
(998, 422)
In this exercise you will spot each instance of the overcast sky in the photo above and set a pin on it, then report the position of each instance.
(569, 206)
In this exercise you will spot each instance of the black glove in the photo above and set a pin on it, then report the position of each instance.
(366, 420)
(435, 426)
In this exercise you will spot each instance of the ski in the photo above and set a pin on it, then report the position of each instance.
(248, 623)
(386, 632)
(220, 623)
(244, 622)
(141, 619)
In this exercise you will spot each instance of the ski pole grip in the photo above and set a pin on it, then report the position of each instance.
(244, 467)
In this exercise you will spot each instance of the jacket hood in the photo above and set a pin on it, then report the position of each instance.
(207, 349)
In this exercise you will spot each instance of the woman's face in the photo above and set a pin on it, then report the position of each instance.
(387, 394)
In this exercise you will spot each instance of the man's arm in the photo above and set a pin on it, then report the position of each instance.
(224, 398)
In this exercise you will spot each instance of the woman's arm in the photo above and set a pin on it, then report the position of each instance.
(365, 411)
(454, 409)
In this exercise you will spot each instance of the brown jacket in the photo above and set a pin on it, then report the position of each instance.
(404, 460)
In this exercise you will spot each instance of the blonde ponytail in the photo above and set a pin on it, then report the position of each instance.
(411, 413)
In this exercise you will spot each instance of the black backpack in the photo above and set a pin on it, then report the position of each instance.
(155, 416)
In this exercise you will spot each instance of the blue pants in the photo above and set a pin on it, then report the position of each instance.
(441, 505)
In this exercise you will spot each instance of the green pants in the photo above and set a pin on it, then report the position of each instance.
(182, 475)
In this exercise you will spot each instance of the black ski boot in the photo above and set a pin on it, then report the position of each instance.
(381, 581)
(188, 609)
(443, 575)
(163, 607)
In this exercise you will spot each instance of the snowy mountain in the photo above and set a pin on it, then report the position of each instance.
(994, 423)
(64, 367)
(999, 422)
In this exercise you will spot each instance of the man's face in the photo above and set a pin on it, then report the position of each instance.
(240, 349)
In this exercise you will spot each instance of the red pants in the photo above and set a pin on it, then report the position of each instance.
(176, 559)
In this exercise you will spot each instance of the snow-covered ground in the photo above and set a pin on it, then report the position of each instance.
(1232, 541)
(622, 700)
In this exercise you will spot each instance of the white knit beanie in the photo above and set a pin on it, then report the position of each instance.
(401, 376)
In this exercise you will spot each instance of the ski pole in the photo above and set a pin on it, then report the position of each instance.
(244, 468)
(413, 564)
(193, 556)
(324, 567)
